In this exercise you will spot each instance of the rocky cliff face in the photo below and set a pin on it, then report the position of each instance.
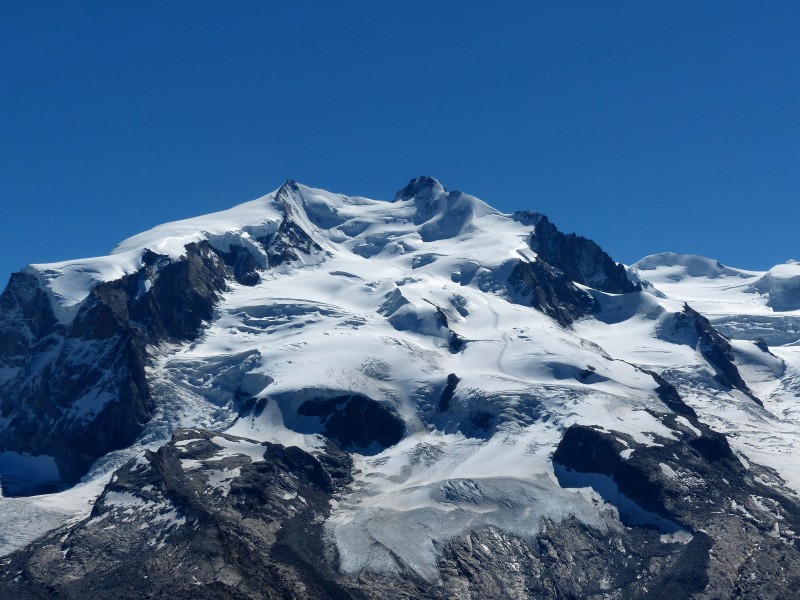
(580, 259)
(80, 389)
(714, 347)
(564, 260)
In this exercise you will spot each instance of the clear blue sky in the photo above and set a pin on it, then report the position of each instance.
(647, 126)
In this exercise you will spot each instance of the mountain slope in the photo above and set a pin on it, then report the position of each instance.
(450, 390)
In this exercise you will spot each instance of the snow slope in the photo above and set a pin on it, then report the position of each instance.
(746, 306)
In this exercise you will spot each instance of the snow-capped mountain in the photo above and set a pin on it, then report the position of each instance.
(313, 395)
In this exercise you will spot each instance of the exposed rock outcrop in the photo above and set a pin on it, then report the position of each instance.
(692, 328)
(206, 516)
(80, 390)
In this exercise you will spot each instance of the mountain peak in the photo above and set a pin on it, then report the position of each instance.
(420, 187)
(290, 185)
(288, 189)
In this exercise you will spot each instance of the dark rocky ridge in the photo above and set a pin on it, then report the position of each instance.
(713, 346)
(580, 259)
(454, 341)
(162, 529)
(670, 396)
(549, 291)
(103, 348)
(562, 261)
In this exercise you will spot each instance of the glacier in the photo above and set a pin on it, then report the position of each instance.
(446, 347)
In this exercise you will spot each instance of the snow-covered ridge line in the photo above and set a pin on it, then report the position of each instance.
(68, 283)
(716, 289)
(327, 218)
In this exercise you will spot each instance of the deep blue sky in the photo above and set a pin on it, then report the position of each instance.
(646, 126)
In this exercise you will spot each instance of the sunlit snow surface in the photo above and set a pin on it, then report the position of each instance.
(364, 317)
(745, 306)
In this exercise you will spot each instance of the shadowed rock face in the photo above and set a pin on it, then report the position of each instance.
(561, 261)
(355, 422)
(696, 483)
(549, 291)
(291, 240)
(669, 395)
(243, 265)
(81, 389)
(27, 318)
(579, 259)
(180, 299)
